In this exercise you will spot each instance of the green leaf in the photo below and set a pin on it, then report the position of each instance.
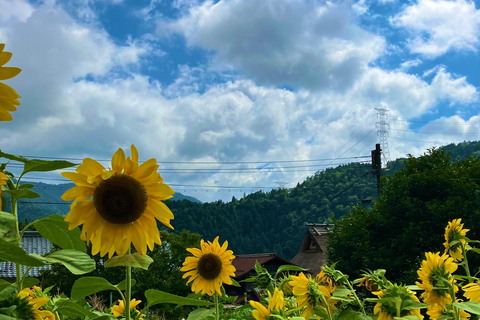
(75, 261)
(104, 318)
(89, 285)
(55, 229)
(407, 318)
(45, 165)
(341, 292)
(235, 283)
(69, 308)
(13, 253)
(23, 194)
(5, 317)
(200, 314)
(7, 226)
(414, 287)
(289, 268)
(135, 260)
(469, 306)
(26, 186)
(122, 285)
(13, 157)
(155, 297)
(30, 282)
(6, 289)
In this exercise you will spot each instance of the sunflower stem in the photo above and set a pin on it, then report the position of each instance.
(356, 297)
(217, 315)
(465, 264)
(18, 266)
(128, 290)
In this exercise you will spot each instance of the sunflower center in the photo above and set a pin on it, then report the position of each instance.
(209, 266)
(120, 199)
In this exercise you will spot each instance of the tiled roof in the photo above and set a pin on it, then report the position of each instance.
(245, 263)
(32, 242)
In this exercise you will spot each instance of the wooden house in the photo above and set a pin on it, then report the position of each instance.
(313, 252)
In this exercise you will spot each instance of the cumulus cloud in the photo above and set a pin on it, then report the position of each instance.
(438, 26)
(296, 43)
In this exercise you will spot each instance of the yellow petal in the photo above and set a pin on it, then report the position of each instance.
(117, 160)
(5, 57)
(9, 72)
(134, 153)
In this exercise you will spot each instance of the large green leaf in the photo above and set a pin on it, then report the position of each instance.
(6, 289)
(23, 194)
(155, 297)
(5, 317)
(89, 285)
(13, 253)
(45, 165)
(55, 229)
(7, 226)
(200, 314)
(75, 261)
(469, 306)
(69, 308)
(135, 260)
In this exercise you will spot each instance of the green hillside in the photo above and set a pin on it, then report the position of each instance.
(273, 221)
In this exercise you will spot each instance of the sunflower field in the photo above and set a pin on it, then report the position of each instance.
(115, 211)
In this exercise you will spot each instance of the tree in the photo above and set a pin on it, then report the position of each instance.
(410, 216)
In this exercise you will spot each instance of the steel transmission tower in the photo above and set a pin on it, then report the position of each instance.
(382, 132)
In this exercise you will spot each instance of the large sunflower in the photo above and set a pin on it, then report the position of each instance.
(118, 206)
(432, 272)
(8, 96)
(455, 232)
(210, 266)
(275, 302)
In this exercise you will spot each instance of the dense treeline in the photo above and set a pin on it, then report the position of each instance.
(275, 221)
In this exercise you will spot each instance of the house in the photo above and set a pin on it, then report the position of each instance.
(245, 268)
(313, 252)
(32, 242)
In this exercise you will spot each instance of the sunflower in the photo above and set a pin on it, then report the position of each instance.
(275, 302)
(455, 232)
(472, 291)
(8, 96)
(35, 305)
(210, 266)
(325, 279)
(119, 309)
(393, 300)
(368, 283)
(435, 311)
(118, 206)
(309, 293)
(433, 271)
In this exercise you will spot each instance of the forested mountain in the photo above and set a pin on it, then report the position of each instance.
(270, 221)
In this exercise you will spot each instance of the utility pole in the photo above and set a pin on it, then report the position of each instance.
(377, 166)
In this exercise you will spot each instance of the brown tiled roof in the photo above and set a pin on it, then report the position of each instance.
(245, 263)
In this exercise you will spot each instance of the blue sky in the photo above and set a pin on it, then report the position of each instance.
(240, 95)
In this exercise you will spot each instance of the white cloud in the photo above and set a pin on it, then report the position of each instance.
(16, 9)
(457, 90)
(298, 43)
(438, 26)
